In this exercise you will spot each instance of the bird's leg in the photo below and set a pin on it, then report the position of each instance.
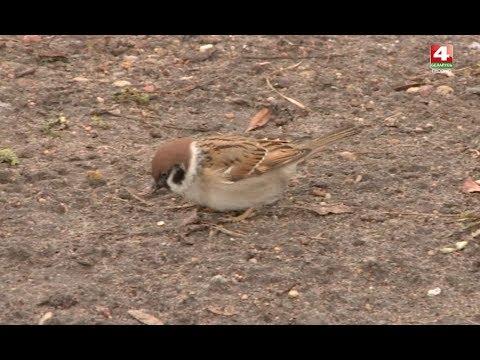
(243, 216)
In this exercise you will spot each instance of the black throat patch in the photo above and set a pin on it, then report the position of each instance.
(178, 174)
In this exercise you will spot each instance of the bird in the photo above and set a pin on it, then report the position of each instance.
(233, 172)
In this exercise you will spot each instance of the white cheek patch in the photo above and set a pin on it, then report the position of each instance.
(190, 173)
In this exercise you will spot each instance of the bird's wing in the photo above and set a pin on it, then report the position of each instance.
(236, 158)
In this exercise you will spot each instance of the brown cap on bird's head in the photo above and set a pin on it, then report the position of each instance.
(175, 152)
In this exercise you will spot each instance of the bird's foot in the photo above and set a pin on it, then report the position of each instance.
(240, 218)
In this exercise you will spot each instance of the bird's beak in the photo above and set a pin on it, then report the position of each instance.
(159, 185)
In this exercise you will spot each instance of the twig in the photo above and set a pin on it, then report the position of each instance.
(227, 232)
(293, 101)
(414, 213)
(177, 207)
(287, 68)
(139, 198)
(393, 116)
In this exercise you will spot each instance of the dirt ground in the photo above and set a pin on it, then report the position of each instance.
(83, 242)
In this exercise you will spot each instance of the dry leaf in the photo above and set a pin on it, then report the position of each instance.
(471, 185)
(260, 119)
(144, 318)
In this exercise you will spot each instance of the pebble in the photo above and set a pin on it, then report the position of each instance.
(293, 293)
(444, 90)
(347, 155)
(434, 292)
(161, 223)
(425, 90)
(28, 39)
(206, 47)
(80, 79)
(370, 105)
(122, 83)
(413, 90)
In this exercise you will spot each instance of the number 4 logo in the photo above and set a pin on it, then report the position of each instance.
(441, 56)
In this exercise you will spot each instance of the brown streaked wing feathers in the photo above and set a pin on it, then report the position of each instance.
(242, 158)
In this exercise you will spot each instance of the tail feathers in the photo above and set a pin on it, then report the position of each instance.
(321, 142)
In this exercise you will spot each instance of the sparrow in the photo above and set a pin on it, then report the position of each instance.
(228, 172)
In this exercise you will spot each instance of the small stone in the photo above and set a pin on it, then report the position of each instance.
(347, 155)
(122, 83)
(47, 316)
(425, 90)
(444, 90)
(370, 105)
(80, 79)
(293, 293)
(229, 116)
(149, 88)
(413, 90)
(155, 133)
(244, 297)
(161, 223)
(253, 260)
(434, 292)
(130, 58)
(30, 39)
(206, 47)
(319, 192)
(100, 100)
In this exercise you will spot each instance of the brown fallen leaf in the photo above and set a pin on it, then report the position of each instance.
(470, 185)
(144, 318)
(260, 119)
